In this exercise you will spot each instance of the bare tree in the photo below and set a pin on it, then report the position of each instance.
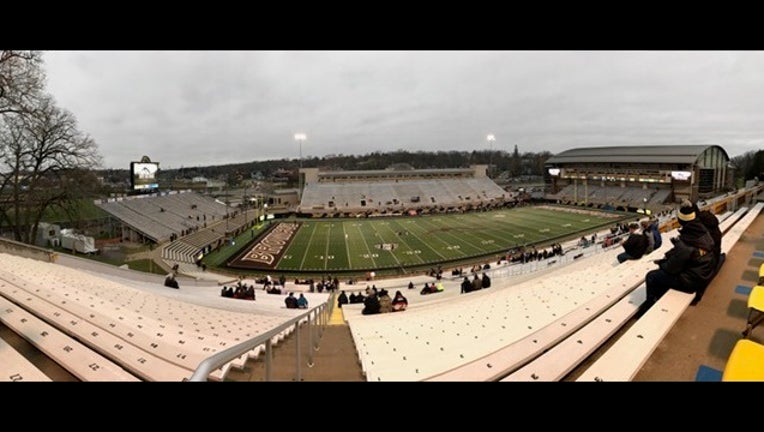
(744, 164)
(21, 81)
(42, 156)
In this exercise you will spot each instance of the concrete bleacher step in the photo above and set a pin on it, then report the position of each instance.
(554, 364)
(78, 359)
(15, 367)
(625, 358)
(133, 359)
(630, 352)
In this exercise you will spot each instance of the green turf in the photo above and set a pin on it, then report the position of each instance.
(351, 244)
(146, 265)
(219, 257)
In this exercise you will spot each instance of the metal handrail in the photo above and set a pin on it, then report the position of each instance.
(219, 359)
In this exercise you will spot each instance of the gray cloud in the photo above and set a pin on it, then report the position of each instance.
(201, 108)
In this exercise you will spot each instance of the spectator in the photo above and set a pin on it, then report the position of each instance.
(343, 299)
(385, 302)
(634, 246)
(426, 289)
(439, 286)
(655, 229)
(302, 302)
(711, 222)
(486, 281)
(170, 281)
(649, 237)
(411, 285)
(689, 266)
(477, 284)
(370, 305)
(400, 303)
(290, 301)
(466, 285)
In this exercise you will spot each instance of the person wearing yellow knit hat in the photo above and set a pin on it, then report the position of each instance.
(689, 266)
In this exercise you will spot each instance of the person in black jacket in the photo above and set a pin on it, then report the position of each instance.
(634, 246)
(343, 299)
(371, 305)
(689, 266)
(466, 285)
(711, 222)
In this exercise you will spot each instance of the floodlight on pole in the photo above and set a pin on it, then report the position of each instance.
(490, 138)
(300, 137)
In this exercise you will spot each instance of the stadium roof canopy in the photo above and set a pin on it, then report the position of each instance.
(684, 154)
(388, 172)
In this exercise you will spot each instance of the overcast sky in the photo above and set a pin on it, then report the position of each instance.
(193, 108)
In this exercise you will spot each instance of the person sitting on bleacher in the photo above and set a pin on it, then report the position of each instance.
(302, 302)
(477, 284)
(688, 267)
(370, 305)
(385, 302)
(486, 281)
(634, 246)
(290, 301)
(427, 289)
(711, 222)
(400, 303)
(411, 285)
(170, 281)
(343, 299)
(649, 238)
(466, 285)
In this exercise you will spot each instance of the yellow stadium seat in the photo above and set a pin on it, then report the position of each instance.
(746, 362)
(755, 309)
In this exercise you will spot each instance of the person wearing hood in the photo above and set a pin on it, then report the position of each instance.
(688, 267)
(343, 299)
(400, 303)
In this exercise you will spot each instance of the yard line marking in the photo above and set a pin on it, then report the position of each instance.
(347, 247)
(307, 247)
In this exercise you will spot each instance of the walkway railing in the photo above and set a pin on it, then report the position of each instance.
(316, 319)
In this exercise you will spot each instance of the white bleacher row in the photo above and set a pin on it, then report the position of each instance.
(78, 359)
(433, 339)
(628, 354)
(14, 366)
(445, 192)
(180, 251)
(506, 360)
(558, 361)
(612, 194)
(384, 341)
(161, 216)
(155, 337)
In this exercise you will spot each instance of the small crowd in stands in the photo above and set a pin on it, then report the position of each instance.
(527, 254)
(375, 301)
(476, 283)
(293, 302)
(242, 291)
(434, 288)
(644, 237)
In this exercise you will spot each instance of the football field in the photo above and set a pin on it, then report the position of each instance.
(385, 243)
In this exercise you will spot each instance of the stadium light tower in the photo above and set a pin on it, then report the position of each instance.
(490, 138)
(300, 137)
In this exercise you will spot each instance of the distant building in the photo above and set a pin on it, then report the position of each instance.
(637, 176)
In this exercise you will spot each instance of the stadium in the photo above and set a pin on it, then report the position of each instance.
(559, 307)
